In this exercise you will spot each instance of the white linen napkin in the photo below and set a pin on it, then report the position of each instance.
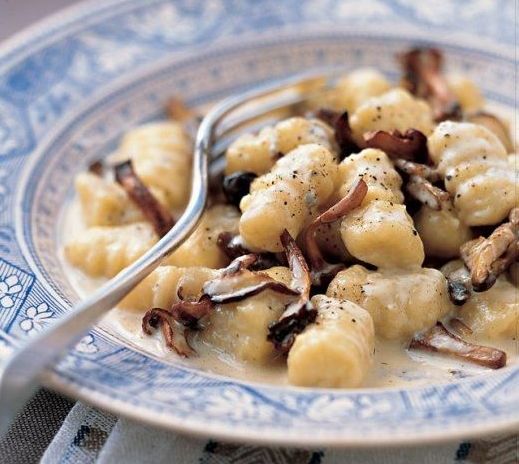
(89, 436)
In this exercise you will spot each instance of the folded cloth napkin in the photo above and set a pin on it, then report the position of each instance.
(89, 435)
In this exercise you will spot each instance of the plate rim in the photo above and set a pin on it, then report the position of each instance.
(103, 400)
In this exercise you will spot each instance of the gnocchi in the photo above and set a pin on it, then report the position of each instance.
(337, 351)
(351, 90)
(241, 328)
(493, 313)
(380, 231)
(393, 110)
(258, 153)
(201, 248)
(161, 152)
(292, 274)
(104, 203)
(400, 302)
(442, 232)
(475, 166)
(287, 197)
(160, 288)
(105, 251)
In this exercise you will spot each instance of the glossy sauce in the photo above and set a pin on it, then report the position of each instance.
(393, 366)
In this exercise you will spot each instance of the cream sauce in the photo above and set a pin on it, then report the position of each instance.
(394, 365)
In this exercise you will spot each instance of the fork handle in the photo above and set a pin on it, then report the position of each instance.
(21, 373)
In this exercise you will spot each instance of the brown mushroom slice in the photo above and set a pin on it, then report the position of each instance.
(233, 246)
(174, 333)
(459, 326)
(410, 146)
(326, 115)
(96, 167)
(495, 125)
(321, 270)
(177, 110)
(426, 193)
(153, 211)
(439, 340)
(188, 313)
(237, 283)
(300, 313)
(459, 287)
(341, 125)
(417, 169)
(487, 258)
(242, 286)
(344, 136)
(423, 77)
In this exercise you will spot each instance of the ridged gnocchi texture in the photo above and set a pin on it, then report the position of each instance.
(258, 153)
(105, 251)
(380, 231)
(351, 90)
(442, 232)
(103, 202)
(375, 168)
(336, 351)
(466, 92)
(240, 329)
(159, 289)
(400, 302)
(393, 110)
(201, 248)
(287, 197)
(475, 166)
(161, 153)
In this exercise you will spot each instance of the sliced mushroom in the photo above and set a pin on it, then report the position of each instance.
(233, 289)
(487, 258)
(438, 339)
(459, 326)
(300, 313)
(326, 115)
(495, 125)
(419, 180)
(177, 110)
(237, 283)
(152, 210)
(426, 193)
(96, 167)
(322, 271)
(423, 77)
(188, 313)
(233, 246)
(174, 333)
(341, 126)
(410, 146)
(417, 169)
(459, 290)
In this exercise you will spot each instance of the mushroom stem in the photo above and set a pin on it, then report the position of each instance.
(438, 339)
(423, 77)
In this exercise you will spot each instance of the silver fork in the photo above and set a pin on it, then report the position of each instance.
(22, 371)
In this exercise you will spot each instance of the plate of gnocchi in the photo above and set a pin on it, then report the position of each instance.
(354, 278)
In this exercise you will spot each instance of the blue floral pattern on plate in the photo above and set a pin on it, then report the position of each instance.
(70, 89)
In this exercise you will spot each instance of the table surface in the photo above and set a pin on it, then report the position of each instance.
(15, 15)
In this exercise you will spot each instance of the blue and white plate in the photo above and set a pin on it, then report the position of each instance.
(70, 86)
